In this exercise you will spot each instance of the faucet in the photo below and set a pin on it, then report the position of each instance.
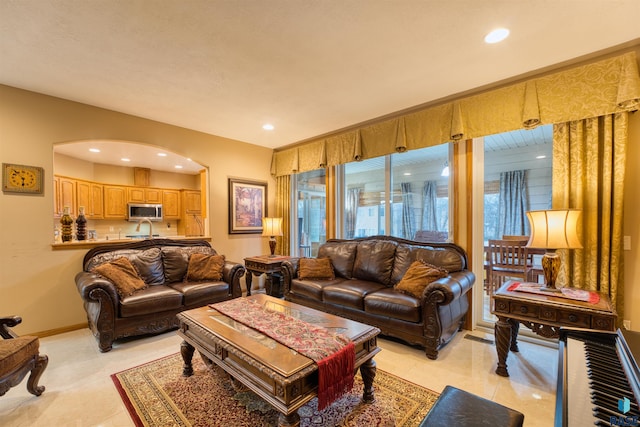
(150, 226)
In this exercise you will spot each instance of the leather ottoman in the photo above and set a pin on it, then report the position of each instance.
(457, 407)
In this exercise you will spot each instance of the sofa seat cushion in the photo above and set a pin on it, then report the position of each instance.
(350, 293)
(15, 352)
(153, 299)
(390, 303)
(313, 288)
(201, 293)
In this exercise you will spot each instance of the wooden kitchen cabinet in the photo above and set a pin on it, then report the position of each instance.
(171, 204)
(191, 201)
(190, 223)
(65, 195)
(115, 202)
(90, 195)
(144, 195)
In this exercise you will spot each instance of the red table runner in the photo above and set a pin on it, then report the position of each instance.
(333, 353)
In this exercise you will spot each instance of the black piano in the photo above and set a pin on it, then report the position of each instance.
(598, 378)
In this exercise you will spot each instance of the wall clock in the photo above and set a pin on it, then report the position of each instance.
(22, 179)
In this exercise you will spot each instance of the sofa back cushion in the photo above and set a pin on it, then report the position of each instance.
(342, 255)
(374, 260)
(176, 260)
(446, 258)
(147, 262)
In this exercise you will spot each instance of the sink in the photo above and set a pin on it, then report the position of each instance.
(140, 236)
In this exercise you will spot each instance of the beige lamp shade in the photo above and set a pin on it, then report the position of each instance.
(554, 229)
(271, 226)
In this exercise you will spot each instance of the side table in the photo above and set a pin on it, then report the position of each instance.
(544, 315)
(269, 265)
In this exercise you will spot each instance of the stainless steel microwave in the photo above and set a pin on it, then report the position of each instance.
(139, 211)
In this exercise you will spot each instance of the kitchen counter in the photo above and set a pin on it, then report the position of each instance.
(88, 244)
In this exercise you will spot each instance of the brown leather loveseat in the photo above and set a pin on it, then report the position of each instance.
(162, 265)
(367, 272)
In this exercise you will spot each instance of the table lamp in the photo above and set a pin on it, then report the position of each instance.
(272, 227)
(553, 229)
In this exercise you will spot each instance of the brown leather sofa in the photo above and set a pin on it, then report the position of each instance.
(162, 264)
(366, 271)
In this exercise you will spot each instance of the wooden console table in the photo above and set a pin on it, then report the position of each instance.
(271, 266)
(544, 315)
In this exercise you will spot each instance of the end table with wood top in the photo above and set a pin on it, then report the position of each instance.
(271, 267)
(544, 315)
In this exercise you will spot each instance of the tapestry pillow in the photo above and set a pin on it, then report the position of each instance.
(418, 276)
(205, 267)
(123, 275)
(315, 268)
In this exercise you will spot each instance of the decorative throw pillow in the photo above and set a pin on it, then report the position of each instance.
(205, 267)
(315, 268)
(418, 276)
(123, 275)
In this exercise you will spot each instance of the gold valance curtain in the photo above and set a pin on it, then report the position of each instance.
(604, 87)
(588, 173)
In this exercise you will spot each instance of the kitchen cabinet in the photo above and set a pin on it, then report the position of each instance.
(144, 195)
(64, 195)
(190, 223)
(90, 195)
(115, 202)
(171, 204)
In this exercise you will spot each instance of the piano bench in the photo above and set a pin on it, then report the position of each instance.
(457, 407)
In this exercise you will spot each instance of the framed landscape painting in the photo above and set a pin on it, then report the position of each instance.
(247, 206)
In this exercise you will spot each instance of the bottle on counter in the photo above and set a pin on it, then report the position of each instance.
(67, 224)
(81, 225)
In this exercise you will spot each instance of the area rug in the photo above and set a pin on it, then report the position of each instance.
(157, 395)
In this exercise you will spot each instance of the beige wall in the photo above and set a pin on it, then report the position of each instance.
(36, 282)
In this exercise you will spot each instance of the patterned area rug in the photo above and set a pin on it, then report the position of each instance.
(157, 395)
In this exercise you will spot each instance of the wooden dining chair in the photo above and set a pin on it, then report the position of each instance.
(507, 259)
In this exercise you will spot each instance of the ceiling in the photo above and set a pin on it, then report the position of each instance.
(309, 68)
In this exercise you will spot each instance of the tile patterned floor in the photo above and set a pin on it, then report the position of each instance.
(79, 391)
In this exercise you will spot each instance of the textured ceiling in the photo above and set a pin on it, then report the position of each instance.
(308, 67)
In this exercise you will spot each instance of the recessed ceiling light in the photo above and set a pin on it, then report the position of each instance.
(541, 157)
(162, 154)
(407, 174)
(125, 159)
(178, 166)
(267, 126)
(496, 35)
(94, 150)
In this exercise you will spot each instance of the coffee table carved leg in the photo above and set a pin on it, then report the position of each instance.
(515, 327)
(186, 350)
(503, 333)
(291, 420)
(368, 373)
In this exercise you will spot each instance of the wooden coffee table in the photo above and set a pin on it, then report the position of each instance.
(282, 377)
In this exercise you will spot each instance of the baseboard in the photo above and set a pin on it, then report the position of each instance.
(57, 331)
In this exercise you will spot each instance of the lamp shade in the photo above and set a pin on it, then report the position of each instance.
(554, 229)
(271, 226)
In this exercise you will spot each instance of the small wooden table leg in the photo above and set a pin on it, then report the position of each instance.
(502, 330)
(368, 373)
(291, 420)
(515, 327)
(187, 350)
(248, 281)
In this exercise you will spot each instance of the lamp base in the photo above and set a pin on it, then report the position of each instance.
(551, 267)
(272, 246)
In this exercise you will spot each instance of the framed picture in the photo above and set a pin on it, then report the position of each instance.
(22, 179)
(247, 206)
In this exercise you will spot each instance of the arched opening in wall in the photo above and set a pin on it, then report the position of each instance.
(108, 178)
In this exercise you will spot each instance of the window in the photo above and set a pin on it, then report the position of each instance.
(404, 193)
(310, 213)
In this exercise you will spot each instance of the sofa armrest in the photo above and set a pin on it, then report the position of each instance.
(9, 322)
(289, 270)
(450, 288)
(231, 274)
(88, 283)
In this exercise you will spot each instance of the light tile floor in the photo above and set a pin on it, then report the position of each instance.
(79, 391)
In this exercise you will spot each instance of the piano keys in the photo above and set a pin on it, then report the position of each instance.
(598, 378)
